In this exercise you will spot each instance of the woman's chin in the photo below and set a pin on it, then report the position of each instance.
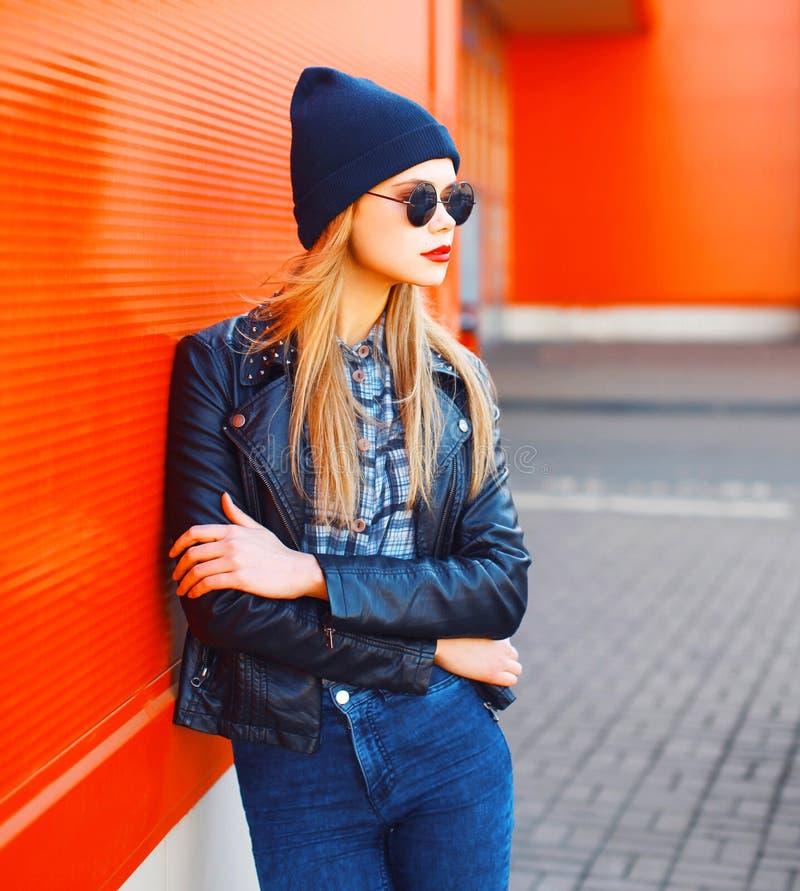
(430, 278)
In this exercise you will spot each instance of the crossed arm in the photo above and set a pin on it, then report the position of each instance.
(246, 556)
(241, 587)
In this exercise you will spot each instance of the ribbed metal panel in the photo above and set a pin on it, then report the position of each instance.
(143, 189)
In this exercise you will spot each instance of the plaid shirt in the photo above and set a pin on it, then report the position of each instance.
(383, 524)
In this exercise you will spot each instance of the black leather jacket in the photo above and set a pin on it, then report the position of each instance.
(251, 666)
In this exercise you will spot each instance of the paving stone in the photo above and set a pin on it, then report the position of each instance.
(612, 865)
(617, 885)
(523, 880)
(588, 837)
(550, 834)
(771, 879)
(655, 737)
(557, 883)
(650, 868)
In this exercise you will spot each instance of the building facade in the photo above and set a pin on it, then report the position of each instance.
(637, 167)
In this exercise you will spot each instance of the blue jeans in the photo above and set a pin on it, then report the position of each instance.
(406, 793)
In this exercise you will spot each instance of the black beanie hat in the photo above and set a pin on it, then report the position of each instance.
(348, 135)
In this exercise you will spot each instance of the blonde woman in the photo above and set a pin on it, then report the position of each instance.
(348, 554)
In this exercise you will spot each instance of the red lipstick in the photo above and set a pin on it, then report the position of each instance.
(439, 255)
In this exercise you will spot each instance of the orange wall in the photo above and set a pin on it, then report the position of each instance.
(143, 186)
(664, 167)
(485, 136)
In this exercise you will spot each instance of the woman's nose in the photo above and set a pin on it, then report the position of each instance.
(441, 221)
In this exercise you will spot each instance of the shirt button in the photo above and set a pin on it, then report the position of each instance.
(238, 420)
(358, 375)
(358, 526)
(342, 697)
(364, 444)
(363, 351)
(463, 425)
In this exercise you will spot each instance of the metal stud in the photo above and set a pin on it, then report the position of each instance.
(249, 377)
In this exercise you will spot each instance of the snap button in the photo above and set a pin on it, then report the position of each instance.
(342, 697)
(463, 425)
(364, 444)
(358, 526)
(238, 420)
(358, 375)
(363, 351)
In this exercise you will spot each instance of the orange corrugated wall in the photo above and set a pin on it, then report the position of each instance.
(143, 187)
(662, 167)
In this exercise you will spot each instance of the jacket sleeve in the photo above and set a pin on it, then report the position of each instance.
(479, 590)
(201, 463)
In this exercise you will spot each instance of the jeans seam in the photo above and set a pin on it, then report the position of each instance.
(387, 762)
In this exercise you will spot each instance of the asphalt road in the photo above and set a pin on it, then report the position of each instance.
(654, 451)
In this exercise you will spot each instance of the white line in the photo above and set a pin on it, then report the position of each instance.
(653, 323)
(672, 507)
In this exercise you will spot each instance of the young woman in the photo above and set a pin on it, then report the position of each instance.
(349, 557)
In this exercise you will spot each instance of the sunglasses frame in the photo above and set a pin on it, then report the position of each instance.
(429, 211)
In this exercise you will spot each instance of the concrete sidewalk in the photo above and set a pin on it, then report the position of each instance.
(658, 375)
(656, 739)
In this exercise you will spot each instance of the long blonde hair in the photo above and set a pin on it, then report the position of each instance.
(305, 309)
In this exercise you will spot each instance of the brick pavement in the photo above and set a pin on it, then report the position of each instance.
(657, 729)
(656, 737)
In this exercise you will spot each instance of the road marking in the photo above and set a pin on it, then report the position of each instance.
(655, 506)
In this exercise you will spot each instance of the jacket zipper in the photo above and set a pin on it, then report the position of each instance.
(199, 679)
(275, 500)
(278, 507)
(329, 632)
(447, 504)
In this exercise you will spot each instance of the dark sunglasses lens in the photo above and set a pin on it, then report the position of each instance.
(460, 202)
(421, 204)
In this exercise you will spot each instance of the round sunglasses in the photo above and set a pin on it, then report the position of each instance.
(458, 199)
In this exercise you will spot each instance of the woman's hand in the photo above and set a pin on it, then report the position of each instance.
(245, 556)
(490, 661)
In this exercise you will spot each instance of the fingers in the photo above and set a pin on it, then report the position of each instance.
(236, 515)
(198, 554)
(511, 667)
(208, 584)
(509, 674)
(507, 679)
(205, 572)
(213, 531)
(198, 534)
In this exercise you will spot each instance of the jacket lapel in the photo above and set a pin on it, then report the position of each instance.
(260, 428)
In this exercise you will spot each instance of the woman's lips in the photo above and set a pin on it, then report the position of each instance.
(439, 255)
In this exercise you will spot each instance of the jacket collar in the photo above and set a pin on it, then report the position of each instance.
(254, 364)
